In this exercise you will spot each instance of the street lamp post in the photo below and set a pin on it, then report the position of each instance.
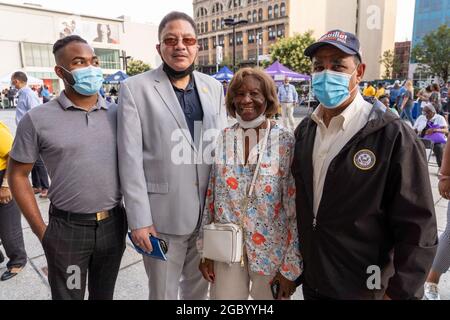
(257, 48)
(125, 59)
(233, 23)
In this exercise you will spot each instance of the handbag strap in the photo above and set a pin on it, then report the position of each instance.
(249, 193)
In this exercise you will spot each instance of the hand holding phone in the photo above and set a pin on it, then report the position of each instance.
(275, 287)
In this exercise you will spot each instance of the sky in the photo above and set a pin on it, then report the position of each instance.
(154, 10)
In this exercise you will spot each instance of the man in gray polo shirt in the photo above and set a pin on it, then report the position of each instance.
(76, 136)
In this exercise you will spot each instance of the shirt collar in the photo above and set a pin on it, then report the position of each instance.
(346, 116)
(22, 90)
(190, 86)
(65, 102)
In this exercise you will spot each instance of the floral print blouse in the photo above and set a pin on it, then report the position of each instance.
(270, 225)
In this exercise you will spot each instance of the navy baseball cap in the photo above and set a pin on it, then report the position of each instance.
(344, 41)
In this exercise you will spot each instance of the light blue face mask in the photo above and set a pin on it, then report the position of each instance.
(87, 81)
(332, 88)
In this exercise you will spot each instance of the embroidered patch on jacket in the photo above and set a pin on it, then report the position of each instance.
(364, 160)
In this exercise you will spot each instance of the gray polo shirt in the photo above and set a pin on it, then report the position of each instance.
(79, 149)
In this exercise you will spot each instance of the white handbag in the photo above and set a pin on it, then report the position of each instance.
(224, 242)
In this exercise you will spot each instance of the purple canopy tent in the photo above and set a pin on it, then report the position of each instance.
(278, 72)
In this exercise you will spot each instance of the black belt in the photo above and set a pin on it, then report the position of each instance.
(74, 216)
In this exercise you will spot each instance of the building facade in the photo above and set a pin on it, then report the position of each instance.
(402, 56)
(428, 16)
(268, 20)
(28, 32)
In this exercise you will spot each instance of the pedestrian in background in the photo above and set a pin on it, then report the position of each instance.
(11, 234)
(442, 260)
(435, 98)
(370, 91)
(432, 126)
(288, 97)
(407, 102)
(380, 90)
(27, 100)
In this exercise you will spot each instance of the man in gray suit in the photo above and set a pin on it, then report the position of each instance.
(162, 112)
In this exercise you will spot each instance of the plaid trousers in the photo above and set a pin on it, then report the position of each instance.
(77, 251)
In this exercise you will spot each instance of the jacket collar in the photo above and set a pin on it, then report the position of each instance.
(164, 88)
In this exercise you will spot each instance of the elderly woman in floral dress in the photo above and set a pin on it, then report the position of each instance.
(255, 149)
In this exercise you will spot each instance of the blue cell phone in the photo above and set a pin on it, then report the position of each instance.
(275, 287)
(160, 248)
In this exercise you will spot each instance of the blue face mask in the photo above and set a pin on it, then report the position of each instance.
(86, 81)
(332, 88)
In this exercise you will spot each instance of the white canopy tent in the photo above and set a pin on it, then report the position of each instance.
(5, 80)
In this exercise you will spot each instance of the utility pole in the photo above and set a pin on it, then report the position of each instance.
(258, 43)
(230, 22)
(125, 59)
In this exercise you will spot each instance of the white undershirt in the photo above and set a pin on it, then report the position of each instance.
(330, 141)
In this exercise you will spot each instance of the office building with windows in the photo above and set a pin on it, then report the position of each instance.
(373, 21)
(28, 32)
(428, 16)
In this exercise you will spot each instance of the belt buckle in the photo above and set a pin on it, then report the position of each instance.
(102, 215)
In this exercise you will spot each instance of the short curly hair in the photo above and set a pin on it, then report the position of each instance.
(268, 87)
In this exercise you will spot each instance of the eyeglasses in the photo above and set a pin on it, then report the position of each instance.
(174, 41)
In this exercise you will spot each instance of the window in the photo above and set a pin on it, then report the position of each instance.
(221, 40)
(206, 26)
(249, 16)
(206, 44)
(280, 31)
(213, 25)
(214, 41)
(217, 24)
(38, 55)
(272, 33)
(251, 36)
(202, 28)
(222, 23)
(239, 38)
(260, 14)
(202, 12)
(241, 17)
(254, 15)
(275, 11)
(283, 10)
(230, 36)
(109, 59)
(270, 13)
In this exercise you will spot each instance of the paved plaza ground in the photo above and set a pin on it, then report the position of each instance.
(32, 284)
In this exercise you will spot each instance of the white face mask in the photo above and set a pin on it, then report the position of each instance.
(255, 123)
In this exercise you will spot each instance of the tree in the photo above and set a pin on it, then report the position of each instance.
(135, 67)
(289, 52)
(392, 65)
(433, 52)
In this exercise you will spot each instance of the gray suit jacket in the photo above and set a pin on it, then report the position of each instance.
(158, 189)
